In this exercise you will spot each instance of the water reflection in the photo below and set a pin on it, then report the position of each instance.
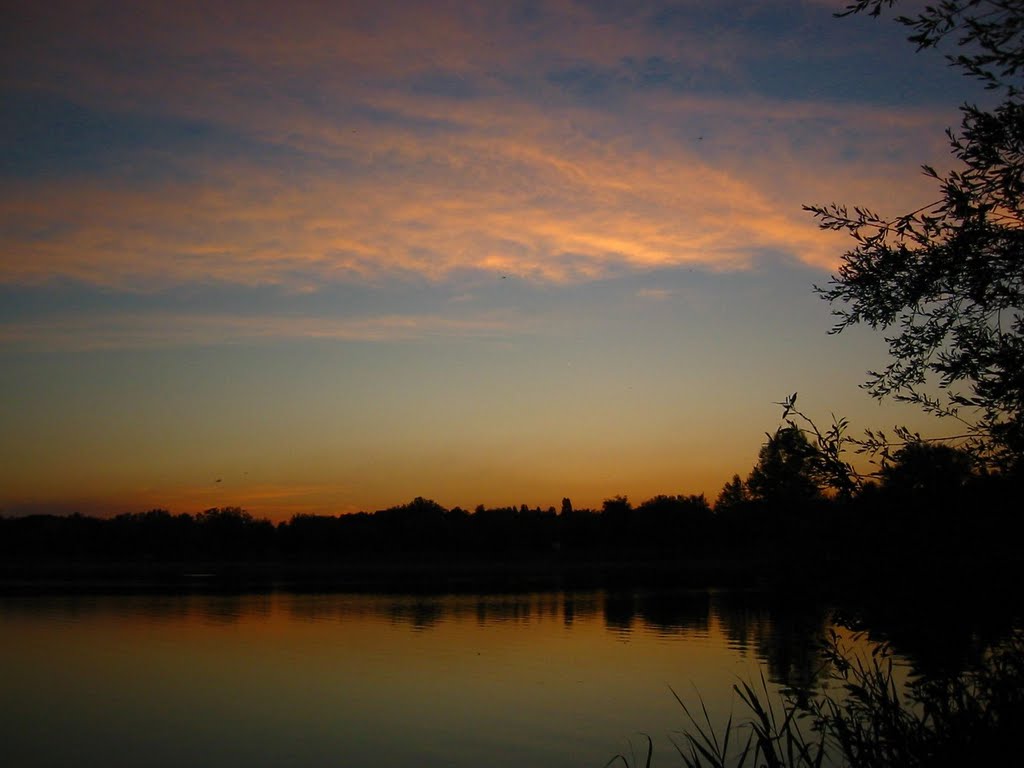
(683, 613)
(581, 606)
(220, 608)
(940, 633)
(419, 614)
(554, 679)
(784, 637)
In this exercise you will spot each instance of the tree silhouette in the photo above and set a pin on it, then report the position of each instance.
(231, 532)
(946, 281)
(928, 470)
(785, 469)
(413, 526)
(732, 496)
(673, 523)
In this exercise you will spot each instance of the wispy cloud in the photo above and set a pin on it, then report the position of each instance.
(126, 330)
(655, 294)
(554, 198)
(348, 142)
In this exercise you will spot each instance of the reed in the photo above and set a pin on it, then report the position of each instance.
(868, 720)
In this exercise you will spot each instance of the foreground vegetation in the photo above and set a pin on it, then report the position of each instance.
(869, 720)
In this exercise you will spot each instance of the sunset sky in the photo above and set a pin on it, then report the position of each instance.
(328, 256)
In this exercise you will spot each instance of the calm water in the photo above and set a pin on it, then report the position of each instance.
(332, 680)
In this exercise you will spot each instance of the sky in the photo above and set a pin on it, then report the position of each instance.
(321, 257)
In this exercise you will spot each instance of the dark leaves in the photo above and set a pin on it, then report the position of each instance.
(946, 281)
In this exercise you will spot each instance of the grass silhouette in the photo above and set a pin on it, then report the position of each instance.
(868, 720)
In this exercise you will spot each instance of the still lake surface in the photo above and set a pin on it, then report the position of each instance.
(280, 679)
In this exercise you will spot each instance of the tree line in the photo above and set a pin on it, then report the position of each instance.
(925, 498)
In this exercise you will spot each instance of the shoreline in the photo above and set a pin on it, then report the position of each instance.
(440, 574)
(374, 575)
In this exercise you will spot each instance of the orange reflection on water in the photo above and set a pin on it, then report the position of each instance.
(553, 679)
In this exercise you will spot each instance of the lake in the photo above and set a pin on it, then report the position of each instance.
(281, 679)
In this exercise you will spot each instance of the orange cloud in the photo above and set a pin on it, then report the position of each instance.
(361, 175)
(511, 190)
